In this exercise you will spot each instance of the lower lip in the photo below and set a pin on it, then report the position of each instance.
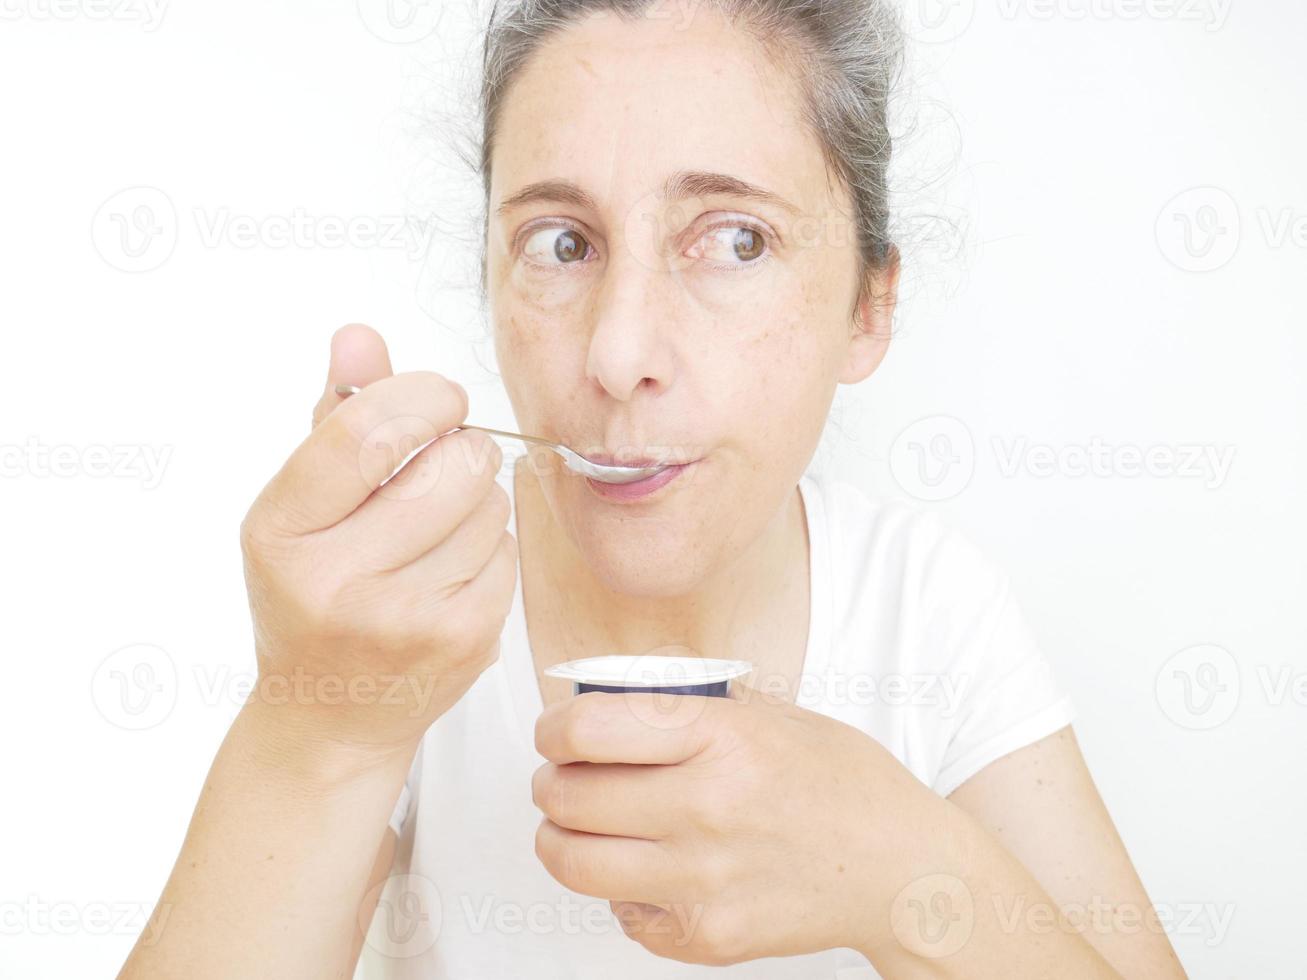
(640, 488)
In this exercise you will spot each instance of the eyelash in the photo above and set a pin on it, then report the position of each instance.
(561, 269)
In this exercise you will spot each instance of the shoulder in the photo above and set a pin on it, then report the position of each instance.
(909, 592)
(916, 601)
(882, 548)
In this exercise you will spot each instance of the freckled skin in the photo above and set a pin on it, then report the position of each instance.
(650, 343)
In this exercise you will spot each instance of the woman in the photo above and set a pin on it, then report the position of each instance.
(686, 251)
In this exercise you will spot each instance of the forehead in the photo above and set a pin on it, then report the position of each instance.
(617, 105)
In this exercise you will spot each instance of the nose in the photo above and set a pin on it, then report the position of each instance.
(631, 337)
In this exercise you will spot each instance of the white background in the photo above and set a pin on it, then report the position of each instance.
(1060, 304)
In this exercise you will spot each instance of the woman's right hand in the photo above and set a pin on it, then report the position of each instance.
(376, 607)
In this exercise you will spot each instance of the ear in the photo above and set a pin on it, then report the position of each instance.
(872, 321)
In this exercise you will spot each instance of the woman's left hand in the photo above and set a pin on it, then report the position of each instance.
(725, 829)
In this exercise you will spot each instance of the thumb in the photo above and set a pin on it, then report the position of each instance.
(358, 357)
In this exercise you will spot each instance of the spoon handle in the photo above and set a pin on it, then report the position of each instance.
(346, 390)
(511, 435)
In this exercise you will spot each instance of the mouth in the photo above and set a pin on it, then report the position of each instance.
(639, 489)
(607, 459)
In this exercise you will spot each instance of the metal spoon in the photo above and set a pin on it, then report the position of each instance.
(573, 460)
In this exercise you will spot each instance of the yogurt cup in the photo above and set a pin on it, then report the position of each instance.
(651, 673)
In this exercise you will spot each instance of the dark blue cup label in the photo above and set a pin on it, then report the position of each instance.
(717, 689)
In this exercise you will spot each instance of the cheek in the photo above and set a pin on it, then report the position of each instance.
(744, 303)
(776, 336)
(529, 334)
(780, 378)
(545, 294)
(803, 331)
(523, 350)
(766, 408)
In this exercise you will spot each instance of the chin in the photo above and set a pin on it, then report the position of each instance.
(636, 568)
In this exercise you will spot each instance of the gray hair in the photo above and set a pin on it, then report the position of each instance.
(846, 54)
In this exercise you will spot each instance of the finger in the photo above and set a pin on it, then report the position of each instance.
(600, 726)
(433, 503)
(448, 563)
(613, 798)
(606, 867)
(358, 357)
(359, 445)
(484, 601)
(490, 594)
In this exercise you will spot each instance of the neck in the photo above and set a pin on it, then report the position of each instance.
(731, 613)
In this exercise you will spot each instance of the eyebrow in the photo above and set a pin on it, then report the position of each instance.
(679, 186)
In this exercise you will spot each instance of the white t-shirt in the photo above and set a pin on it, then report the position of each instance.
(913, 638)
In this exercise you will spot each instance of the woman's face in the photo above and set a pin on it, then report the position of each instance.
(709, 327)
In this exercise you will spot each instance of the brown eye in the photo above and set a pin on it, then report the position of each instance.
(569, 246)
(732, 246)
(748, 244)
(556, 246)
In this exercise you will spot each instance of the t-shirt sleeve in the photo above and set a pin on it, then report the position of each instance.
(406, 803)
(1010, 697)
(400, 813)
